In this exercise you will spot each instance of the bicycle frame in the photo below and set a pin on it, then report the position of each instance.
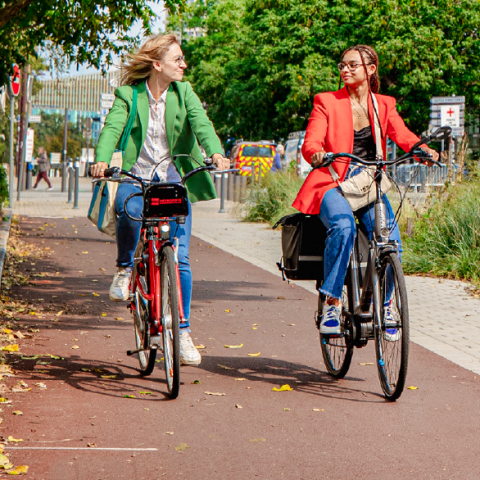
(153, 238)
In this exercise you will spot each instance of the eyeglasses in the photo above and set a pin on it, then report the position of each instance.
(178, 60)
(351, 66)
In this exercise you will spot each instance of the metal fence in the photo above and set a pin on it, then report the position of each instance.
(420, 176)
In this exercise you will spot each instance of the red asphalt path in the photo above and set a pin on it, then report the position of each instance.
(431, 432)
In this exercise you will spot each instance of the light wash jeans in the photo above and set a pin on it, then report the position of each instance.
(128, 235)
(338, 218)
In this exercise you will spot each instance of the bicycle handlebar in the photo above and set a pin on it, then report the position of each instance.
(441, 133)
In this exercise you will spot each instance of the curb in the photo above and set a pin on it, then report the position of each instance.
(4, 233)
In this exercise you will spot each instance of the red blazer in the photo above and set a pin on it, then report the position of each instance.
(331, 129)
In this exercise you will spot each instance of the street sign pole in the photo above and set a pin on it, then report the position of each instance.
(12, 119)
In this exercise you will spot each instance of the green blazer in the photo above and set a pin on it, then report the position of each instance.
(186, 121)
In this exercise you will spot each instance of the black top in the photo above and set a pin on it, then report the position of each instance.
(363, 144)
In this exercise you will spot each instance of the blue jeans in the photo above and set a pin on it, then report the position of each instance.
(128, 235)
(338, 218)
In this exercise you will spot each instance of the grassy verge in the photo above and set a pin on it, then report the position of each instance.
(446, 239)
(273, 197)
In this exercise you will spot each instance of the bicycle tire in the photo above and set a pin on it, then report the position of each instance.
(141, 322)
(337, 351)
(392, 355)
(171, 334)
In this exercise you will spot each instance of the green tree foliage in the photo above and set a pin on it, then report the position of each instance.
(262, 61)
(49, 134)
(85, 31)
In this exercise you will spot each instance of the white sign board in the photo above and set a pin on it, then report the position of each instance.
(29, 145)
(35, 119)
(106, 104)
(450, 115)
(107, 96)
(3, 98)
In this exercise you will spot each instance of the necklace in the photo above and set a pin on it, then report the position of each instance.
(362, 107)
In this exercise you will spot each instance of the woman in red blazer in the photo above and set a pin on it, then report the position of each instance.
(342, 121)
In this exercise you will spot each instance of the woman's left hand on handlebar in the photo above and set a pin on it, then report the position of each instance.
(97, 169)
(220, 161)
(433, 153)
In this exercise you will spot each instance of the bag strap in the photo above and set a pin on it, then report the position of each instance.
(378, 133)
(131, 118)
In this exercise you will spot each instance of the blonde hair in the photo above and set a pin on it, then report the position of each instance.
(139, 65)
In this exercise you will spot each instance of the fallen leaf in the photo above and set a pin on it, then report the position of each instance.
(59, 313)
(129, 396)
(318, 409)
(142, 392)
(119, 318)
(291, 324)
(286, 409)
(85, 369)
(225, 367)
(17, 412)
(4, 400)
(181, 447)
(95, 294)
(33, 330)
(102, 269)
(254, 354)
(6, 330)
(40, 385)
(4, 460)
(10, 348)
(195, 382)
(169, 433)
(216, 394)
(228, 311)
(200, 347)
(283, 388)
(20, 390)
(234, 346)
(254, 440)
(412, 388)
(366, 363)
(14, 440)
(84, 253)
(91, 445)
(240, 379)
(103, 314)
(110, 377)
(75, 347)
(20, 470)
(44, 363)
(33, 357)
(280, 298)
(238, 405)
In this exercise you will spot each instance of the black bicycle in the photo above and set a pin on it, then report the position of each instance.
(374, 299)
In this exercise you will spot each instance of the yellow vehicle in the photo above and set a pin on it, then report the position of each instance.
(260, 155)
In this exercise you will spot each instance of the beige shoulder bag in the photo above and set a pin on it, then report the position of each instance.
(360, 190)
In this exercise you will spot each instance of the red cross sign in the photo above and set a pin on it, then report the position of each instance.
(450, 112)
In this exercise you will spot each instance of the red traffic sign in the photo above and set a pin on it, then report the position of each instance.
(15, 80)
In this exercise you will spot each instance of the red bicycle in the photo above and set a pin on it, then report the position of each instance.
(155, 292)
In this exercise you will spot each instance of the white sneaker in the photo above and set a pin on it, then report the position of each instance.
(50, 188)
(189, 355)
(330, 323)
(119, 289)
(391, 333)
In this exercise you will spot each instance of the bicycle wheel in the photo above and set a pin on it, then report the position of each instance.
(141, 322)
(392, 339)
(170, 320)
(337, 351)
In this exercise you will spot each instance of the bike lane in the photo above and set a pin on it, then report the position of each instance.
(227, 423)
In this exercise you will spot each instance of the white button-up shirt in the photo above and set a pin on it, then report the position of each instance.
(155, 155)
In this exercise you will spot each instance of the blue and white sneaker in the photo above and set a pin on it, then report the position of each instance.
(330, 322)
(391, 333)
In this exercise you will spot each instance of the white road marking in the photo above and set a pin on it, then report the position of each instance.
(87, 448)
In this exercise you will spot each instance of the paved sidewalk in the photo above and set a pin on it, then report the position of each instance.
(444, 319)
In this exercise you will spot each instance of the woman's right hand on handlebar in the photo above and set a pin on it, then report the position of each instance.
(317, 158)
(97, 169)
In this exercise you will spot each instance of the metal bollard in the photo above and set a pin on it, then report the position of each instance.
(236, 190)
(217, 184)
(77, 181)
(64, 176)
(230, 188)
(70, 180)
(243, 189)
(223, 192)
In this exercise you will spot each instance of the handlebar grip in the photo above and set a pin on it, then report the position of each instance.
(110, 172)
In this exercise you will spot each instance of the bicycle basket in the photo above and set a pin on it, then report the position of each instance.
(303, 243)
(165, 200)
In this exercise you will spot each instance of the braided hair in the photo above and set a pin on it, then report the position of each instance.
(370, 54)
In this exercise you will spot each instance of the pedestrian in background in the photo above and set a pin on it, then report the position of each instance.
(277, 159)
(43, 168)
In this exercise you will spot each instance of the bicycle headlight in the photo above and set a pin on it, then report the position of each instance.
(165, 228)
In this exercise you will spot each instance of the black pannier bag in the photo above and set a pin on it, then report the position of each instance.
(303, 243)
